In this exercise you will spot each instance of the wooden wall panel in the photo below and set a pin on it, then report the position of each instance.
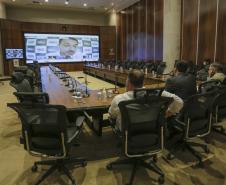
(158, 18)
(130, 33)
(144, 31)
(221, 36)
(122, 41)
(207, 29)
(204, 31)
(12, 37)
(150, 30)
(189, 29)
(135, 34)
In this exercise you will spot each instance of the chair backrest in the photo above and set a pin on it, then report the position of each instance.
(144, 92)
(43, 128)
(143, 120)
(196, 114)
(209, 86)
(23, 86)
(32, 97)
(220, 105)
(17, 77)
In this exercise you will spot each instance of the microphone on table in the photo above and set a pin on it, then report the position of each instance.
(86, 83)
(115, 91)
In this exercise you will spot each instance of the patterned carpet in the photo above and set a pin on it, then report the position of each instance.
(15, 162)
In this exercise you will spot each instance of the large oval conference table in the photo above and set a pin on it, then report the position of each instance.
(92, 106)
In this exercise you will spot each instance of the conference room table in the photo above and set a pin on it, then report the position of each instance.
(119, 76)
(93, 107)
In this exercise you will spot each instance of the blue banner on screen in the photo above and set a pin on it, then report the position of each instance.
(61, 47)
(11, 53)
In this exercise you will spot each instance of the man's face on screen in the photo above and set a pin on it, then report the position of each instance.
(68, 47)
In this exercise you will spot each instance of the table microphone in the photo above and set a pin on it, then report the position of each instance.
(86, 83)
(115, 91)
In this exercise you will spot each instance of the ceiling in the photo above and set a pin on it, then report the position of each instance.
(92, 5)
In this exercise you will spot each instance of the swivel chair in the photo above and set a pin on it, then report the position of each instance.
(209, 86)
(143, 121)
(45, 133)
(219, 111)
(194, 121)
(20, 83)
(32, 97)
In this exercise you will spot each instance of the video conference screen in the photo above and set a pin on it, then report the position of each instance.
(11, 53)
(46, 48)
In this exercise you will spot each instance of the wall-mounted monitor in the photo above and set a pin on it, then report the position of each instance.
(53, 48)
(12, 53)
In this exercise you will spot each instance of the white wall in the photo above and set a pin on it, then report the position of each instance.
(56, 16)
(2, 16)
(171, 32)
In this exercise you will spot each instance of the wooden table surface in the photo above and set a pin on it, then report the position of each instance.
(120, 77)
(60, 95)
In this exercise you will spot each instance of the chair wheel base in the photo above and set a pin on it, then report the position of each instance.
(170, 156)
(34, 168)
(161, 180)
(109, 167)
(73, 183)
(84, 164)
(207, 150)
(155, 158)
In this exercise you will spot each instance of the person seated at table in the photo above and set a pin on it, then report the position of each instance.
(202, 73)
(216, 72)
(135, 80)
(183, 84)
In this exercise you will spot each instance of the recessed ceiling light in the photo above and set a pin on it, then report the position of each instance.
(13, 0)
(112, 4)
(84, 4)
(46, 1)
(66, 2)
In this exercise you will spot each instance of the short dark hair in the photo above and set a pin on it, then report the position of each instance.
(218, 67)
(136, 78)
(182, 66)
(70, 38)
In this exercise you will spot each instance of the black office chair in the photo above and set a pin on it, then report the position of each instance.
(143, 121)
(45, 133)
(144, 92)
(32, 97)
(209, 86)
(220, 111)
(160, 69)
(193, 122)
(20, 83)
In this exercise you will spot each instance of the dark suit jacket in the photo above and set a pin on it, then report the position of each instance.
(183, 85)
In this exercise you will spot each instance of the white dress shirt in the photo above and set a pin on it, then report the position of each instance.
(114, 111)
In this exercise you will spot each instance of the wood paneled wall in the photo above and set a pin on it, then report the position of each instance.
(140, 31)
(12, 37)
(203, 30)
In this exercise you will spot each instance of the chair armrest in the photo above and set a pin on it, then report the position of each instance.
(179, 124)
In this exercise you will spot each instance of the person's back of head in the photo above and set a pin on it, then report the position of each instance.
(136, 78)
(181, 66)
(218, 68)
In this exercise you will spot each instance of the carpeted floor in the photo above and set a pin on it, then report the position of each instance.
(15, 162)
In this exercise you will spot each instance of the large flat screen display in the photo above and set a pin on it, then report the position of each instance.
(11, 53)
(46, 48)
